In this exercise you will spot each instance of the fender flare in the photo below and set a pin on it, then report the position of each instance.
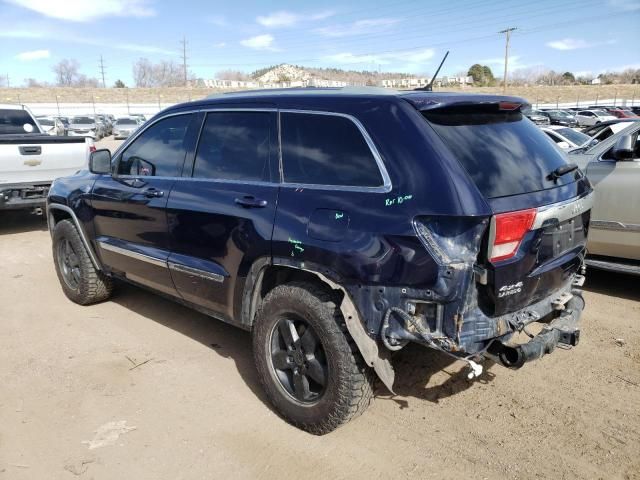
(368, 347)
(83, 235)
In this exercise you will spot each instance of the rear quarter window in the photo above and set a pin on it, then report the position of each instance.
(13, 120)
(326, 149)
(503, 152)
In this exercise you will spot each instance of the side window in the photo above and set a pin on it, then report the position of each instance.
(553, 137)
(159, 151)
(235, 146)
(326, 150)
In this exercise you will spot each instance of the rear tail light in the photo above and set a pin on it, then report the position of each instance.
(92, 148)
(510, 228)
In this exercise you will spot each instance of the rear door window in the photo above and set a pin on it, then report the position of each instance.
(327, 149)
(235, 146)
(503, 152)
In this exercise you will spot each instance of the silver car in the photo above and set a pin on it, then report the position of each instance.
(86, 126)
(124, 127)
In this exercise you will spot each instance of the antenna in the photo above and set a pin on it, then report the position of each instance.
(429, 87)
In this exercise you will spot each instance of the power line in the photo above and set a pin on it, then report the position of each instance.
(507, 32)
(184, 59)
(102, 68)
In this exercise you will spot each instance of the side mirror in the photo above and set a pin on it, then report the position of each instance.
(563, 145)
(100, 161)
(623, 148)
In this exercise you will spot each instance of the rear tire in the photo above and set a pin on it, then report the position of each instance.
(308, 365)
(81, 282)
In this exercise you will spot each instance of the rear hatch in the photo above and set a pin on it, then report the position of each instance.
(541, 206)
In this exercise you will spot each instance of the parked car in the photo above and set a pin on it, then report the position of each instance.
(125, 126)
(566, 138)
(635, 109)
(52, 126)
(86, 126)
(139, 116)
(30, 159)
(106, 122)
(536, 116)
(620, 112)
(560, 117)
(65, 122)
(338, 227)
(604, 130)
(613, 167)
(592, 117)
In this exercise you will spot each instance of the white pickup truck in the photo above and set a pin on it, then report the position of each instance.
(30, 159)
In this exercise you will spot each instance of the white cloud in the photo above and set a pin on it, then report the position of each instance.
(33, 55)
(568, 44)
(218, 20)
(85, 11)
(627, 5)
(414, 59)
(220, 45)
(358, 27)
(259, 42)
(135, 47)
(515, 62)
(20, 34)
(289, 19)
(576, 43)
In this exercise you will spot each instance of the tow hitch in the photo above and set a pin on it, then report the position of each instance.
(563, 331)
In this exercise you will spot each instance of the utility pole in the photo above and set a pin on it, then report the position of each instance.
(184, 59)
(104, 85)
(8, 83)
(507, 32)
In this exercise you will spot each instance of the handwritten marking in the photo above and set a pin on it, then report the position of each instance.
(398, 200)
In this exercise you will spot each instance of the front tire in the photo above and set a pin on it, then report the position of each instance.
(308, 365)
(81, 282)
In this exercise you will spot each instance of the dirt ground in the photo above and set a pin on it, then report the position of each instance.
(142, 388)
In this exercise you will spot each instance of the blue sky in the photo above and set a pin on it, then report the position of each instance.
(392, 35)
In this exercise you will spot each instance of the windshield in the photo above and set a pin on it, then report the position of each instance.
(45, 122)
(126, 121)
(577, 138)
(560, 113)
(601, 113)
(82, 120)
(503, 152)
(12, 121)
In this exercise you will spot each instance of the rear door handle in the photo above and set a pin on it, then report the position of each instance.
(249, 201)
(153, 193)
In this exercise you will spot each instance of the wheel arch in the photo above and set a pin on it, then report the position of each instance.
(266, 275)
(57, 212)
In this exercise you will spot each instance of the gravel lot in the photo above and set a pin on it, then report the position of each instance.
(140, 387)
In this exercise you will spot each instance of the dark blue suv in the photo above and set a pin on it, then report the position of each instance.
(338, 225)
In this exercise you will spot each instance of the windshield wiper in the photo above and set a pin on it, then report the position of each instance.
(562, 170)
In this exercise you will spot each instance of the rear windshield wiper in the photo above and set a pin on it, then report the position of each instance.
(562, 170)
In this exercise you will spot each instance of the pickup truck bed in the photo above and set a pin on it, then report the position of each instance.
(30, 162)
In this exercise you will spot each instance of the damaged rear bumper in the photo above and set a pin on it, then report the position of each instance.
(563, 330)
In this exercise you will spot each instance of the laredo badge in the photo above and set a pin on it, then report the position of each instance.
(510, 289)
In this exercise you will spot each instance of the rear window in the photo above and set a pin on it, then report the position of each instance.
(326, 150)
(82, 120)
(126, 121)
(503, 152)
(12, 121)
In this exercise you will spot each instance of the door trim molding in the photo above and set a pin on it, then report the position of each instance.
(132, 254)
(177, 267)
(617, 226)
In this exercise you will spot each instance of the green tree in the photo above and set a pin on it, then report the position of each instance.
(119, 84)
(482, 75)
(568, 78)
